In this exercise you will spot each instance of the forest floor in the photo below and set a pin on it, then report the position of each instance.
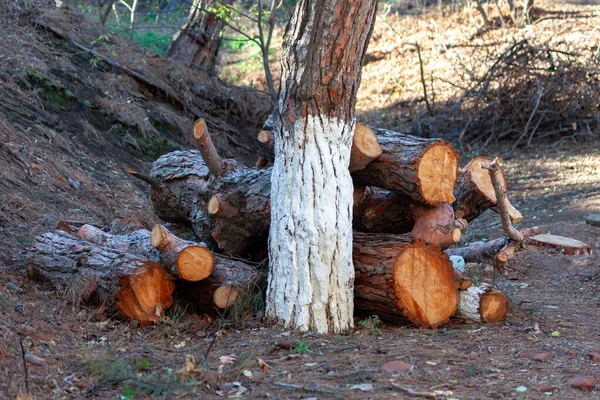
(64, 157)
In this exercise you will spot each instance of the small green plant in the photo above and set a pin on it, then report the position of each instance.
(301, 347)
(371, 325)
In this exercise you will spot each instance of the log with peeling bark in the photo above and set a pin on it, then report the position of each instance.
(398, 280)
(498, 251)
(140, 290)
(380, 211)
(230, 281)
(482, 304)
(422, 169)
(475, 193)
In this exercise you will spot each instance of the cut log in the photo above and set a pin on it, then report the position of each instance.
(475, 193)
(463, 281)
(136, 242)
(365, 148)
(187, 187)
(488, 251)
(398, 279)
(207, 148)
(187, 260)
(139, 289)
(184, 259)
(482, 304)
(379, 211)
(422, 169)
(230, 281)
(566, 245)
(266, 141)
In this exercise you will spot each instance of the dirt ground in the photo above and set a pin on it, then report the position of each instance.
(555, 302)
(64, 159)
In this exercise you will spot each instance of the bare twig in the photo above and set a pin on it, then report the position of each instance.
(429, 108)
(24, 364)
(502, 199)
(535, 108)
(416, 393)
(152, 182)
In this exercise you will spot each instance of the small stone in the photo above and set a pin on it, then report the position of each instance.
(592, 219)
(396, 366)
(201, 334)
(544, 388)
(542, 357)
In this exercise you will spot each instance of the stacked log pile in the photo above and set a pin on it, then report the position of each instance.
(411, 204)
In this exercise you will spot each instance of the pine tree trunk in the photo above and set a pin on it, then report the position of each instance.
(311, 272)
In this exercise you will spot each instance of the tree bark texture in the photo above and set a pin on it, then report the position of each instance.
(311, 274)
(398, 279)
(423, 169)
(139, 289)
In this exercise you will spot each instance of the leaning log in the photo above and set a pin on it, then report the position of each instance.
(380, 211)
(482, 304)
(399, 280)
(475, 192)
(140, 290)
(422, 169)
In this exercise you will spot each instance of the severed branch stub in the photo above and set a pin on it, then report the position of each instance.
(207, 148)
(503, 203)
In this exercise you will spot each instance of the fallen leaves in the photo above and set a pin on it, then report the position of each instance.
(396, 366)
(264, 367)
(585, 383)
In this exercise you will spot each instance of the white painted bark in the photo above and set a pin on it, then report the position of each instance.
(311, 279)
(469, 300)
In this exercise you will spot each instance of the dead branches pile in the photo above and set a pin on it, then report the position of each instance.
(532, 92)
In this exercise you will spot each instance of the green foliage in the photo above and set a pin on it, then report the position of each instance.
(371, 325)
(156, 42)
(301, 347)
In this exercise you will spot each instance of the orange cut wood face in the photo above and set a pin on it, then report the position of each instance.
(493, 306)
(438, 173)
(481, 177)
(425, 285)
(195, 263)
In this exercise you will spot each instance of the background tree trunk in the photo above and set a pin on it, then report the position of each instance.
(197, 42)
(311, 273)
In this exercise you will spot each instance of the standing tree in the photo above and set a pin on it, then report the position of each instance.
(311, 277)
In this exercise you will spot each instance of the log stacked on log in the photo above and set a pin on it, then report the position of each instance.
(403, 220)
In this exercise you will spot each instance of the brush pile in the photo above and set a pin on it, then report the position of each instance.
(532, 92)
